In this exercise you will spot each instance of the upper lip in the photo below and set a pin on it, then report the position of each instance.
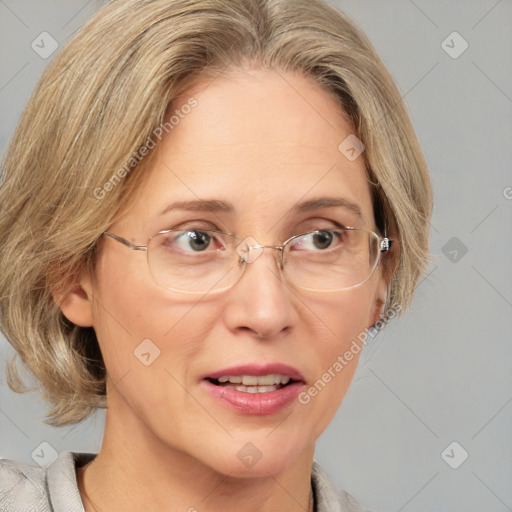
(257, 371)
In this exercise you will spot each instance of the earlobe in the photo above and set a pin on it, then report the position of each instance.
(76, 305)
(378, 310)
(380, 303)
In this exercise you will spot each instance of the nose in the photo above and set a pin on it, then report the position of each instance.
(261, 303)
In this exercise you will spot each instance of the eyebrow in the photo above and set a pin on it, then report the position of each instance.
(330, 202)
(215, 205)
(203, 205)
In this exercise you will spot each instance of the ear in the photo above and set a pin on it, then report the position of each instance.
(75, 301)
(379, 300)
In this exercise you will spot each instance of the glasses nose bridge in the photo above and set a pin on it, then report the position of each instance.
(259, 248)
(280, 254)
(247, 258)
(276, 247)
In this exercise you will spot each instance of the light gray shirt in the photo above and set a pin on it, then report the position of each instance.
(26, 488)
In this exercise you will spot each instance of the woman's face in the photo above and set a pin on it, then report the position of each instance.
(262, 143)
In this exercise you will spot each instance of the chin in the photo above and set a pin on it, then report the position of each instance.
(259, 457)
(263, 468)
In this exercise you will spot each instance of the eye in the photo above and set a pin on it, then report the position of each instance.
(323, 239)
(193, 240)
(317, 240)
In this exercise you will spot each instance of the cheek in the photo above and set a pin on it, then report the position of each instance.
(139, 324)
(337, 348)
(149, 344)
(344, 317)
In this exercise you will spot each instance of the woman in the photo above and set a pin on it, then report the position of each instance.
(207, 205)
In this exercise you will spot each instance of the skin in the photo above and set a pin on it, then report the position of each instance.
(262, 141)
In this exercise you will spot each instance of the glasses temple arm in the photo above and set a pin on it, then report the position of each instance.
(127, 242)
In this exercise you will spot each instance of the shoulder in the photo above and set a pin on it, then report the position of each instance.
(328, 497)
(22, 487)
(25, 487)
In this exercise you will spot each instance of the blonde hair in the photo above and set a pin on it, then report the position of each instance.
(100, 101)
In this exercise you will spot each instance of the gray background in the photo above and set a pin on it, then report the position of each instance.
(442, 373)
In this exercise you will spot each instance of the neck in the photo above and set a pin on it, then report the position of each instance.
(129, 475)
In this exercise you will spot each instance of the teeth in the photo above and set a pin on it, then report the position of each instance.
(255, 389)
(233, 380)
(252, 380)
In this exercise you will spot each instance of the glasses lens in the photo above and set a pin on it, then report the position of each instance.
(331, 260)
(194, 261)
(201, 261)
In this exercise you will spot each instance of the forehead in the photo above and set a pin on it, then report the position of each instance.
(261, 141)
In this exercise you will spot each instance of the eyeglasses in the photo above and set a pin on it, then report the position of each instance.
(200, 261)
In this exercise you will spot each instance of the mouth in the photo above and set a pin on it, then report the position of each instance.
(254, 389)
(253, 383)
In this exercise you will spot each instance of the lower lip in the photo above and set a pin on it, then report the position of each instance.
(261, 404)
